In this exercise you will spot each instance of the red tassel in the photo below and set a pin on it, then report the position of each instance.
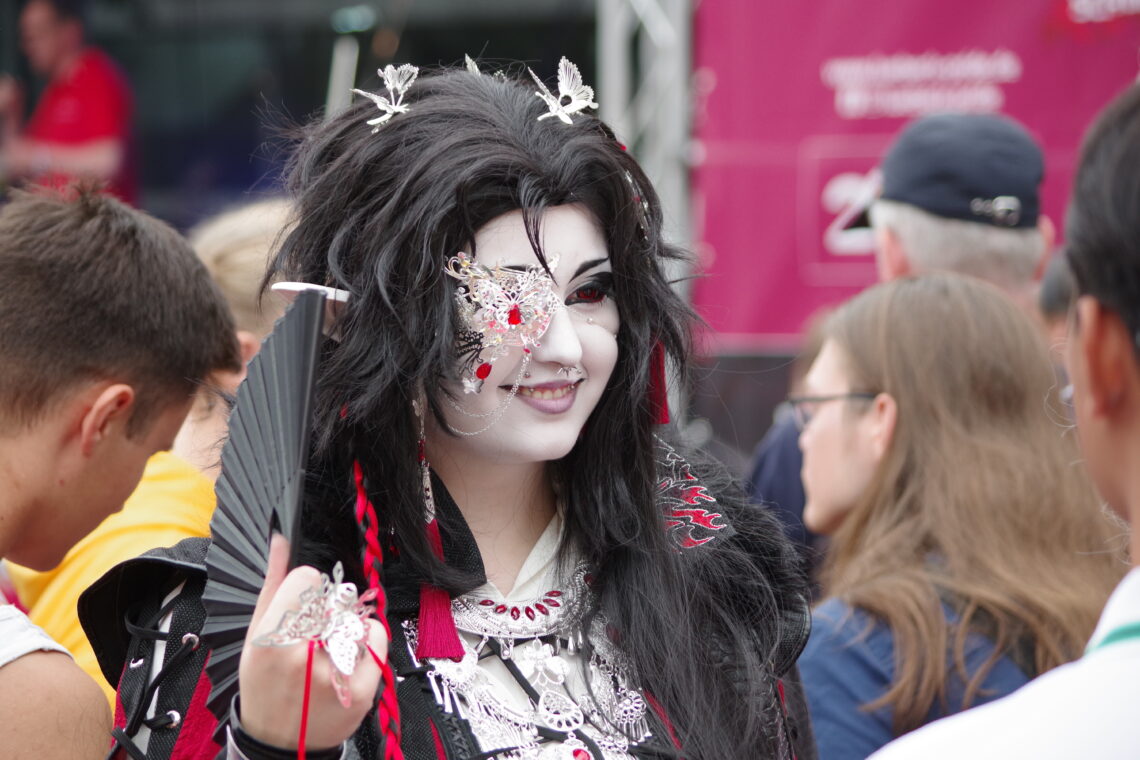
(658, 393)
(437, 634)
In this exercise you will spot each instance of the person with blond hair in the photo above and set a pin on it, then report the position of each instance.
(960, 192)
(235, 245)
(968, 552)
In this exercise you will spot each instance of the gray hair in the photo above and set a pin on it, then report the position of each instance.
(1005, 257)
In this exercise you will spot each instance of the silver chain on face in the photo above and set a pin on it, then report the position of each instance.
(495, 414)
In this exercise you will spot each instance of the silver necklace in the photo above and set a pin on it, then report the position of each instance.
(606, 707)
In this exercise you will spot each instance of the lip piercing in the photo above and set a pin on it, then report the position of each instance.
(567, 370)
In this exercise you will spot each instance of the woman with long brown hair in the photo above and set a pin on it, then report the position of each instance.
(967, 551)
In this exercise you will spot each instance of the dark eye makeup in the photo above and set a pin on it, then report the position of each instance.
(595, 290)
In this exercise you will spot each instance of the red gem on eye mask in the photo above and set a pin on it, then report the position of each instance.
(482, 371)
(514, 317)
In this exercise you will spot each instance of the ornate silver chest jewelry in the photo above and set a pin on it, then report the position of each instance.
(542, 639)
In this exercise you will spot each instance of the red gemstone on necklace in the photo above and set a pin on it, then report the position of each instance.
(486, 602)
(483, 370)
(514, 316)
(554, 593)
(501, 609)
(582, 754)
(515, 613)
(542, 609)
(553, 602)
(529, 613)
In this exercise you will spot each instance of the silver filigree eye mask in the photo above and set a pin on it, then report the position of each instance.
(501, 309)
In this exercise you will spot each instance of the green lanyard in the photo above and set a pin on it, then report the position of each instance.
(1116, 635)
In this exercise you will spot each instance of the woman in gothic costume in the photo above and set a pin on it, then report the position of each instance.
(491, 451)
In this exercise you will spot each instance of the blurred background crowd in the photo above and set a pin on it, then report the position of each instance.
(803, 152)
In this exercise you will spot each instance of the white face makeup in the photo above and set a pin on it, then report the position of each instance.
(568, 325)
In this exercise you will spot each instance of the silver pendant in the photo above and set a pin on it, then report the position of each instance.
(559, 712)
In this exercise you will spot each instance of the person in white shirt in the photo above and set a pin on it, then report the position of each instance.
(109, 325)
(1087, 708)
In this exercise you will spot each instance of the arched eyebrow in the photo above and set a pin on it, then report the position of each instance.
(585, 267)
(588, 265)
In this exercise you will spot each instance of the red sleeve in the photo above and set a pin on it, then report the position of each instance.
(105, 96)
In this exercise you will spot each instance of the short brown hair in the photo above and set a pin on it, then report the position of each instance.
(94, 289)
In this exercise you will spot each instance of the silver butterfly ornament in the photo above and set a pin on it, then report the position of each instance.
(332, 616)
(397, 81)
(573, 96)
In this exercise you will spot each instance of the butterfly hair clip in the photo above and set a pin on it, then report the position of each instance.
(573, 96)
(473, 68)
(397, 81)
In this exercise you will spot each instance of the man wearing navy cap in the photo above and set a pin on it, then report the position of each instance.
(960, 194)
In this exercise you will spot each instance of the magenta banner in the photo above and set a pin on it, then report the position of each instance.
(796, 102)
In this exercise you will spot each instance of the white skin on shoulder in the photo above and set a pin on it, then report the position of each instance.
(842, 443)
(52, 710)
(498, 476)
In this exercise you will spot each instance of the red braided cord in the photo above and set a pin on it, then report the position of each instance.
(366, 518)
(388, 706)
(388, 712)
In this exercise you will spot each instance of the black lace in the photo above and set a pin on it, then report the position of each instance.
(137, 718)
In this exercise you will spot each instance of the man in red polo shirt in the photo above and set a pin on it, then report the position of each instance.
(81, 126)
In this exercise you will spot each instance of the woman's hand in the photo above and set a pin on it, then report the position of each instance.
(272, 678)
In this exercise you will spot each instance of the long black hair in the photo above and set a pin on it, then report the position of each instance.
(379, 214)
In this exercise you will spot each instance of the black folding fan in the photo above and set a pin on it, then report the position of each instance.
(260, 487)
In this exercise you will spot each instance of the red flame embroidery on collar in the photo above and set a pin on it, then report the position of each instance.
(680, 493)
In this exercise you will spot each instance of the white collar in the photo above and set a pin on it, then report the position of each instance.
(1123, 607)
(539, 571)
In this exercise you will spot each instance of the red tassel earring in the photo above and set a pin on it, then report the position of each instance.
(437, 634)
(658, 391)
